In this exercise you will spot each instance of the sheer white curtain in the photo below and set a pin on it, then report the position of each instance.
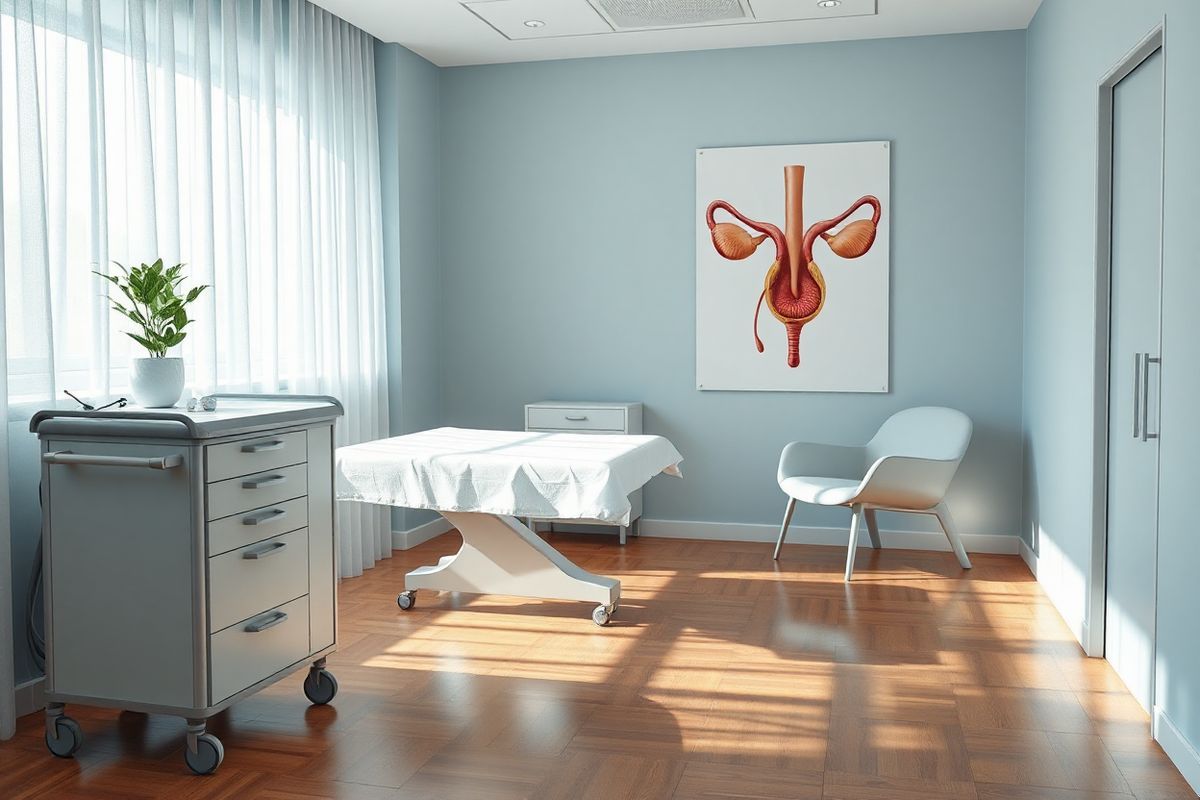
(236, 136)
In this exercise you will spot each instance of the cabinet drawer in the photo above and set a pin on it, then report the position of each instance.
(257, 524)
(243, 582)
(247, 652)
(255, 455)
(235, 495)
(610, 420)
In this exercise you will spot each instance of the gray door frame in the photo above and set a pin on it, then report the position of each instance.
(1151, 43)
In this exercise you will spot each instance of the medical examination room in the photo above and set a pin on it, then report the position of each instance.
(599, 399)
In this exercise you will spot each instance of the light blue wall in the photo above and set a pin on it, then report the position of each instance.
(1071, 45)
(407, 94)
(568, 257)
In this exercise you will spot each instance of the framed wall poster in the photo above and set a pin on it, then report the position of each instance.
(792, 264)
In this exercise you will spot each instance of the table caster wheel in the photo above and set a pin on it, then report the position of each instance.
(67, 737)
(406, 600)
(602, 614)
(208, 756)
(320, 686)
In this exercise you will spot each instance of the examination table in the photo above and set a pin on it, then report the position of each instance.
(483, 481)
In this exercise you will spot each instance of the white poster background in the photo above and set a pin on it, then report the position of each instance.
(845, 347)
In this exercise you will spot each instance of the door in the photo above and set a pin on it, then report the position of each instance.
(120, 574)
(1136, 231)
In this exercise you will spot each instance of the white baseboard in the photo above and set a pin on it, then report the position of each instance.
(1177, 748)
(1001, 543)
(403, 540)
(1049, 575)
(1028, 556)
(29, 697)
(1005, 544)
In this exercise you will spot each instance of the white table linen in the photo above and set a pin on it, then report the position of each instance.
(522, 474)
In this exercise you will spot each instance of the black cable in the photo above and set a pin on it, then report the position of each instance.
(35, 640)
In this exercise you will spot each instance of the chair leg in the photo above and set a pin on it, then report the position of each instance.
(872, 528)
(787, 520)
(942, 511)
(854, 525)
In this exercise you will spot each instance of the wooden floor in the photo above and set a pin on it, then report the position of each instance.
(724, 676)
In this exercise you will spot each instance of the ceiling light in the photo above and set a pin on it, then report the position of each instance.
(537, 23)
(826, 3)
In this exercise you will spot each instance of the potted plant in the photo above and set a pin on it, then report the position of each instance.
(157, 307)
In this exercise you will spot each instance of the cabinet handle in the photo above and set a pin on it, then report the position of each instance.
(1147, 360)
(263, 480)
(262, 447)
(267, 621)
(266, 515)
(1137, 395)
(82, 460)
(263, 552)
(576, 419)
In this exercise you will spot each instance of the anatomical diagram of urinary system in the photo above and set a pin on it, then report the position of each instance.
(794, 287)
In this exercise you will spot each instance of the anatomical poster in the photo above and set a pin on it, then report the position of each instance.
(792, 261)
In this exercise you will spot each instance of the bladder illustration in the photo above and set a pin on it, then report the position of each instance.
(794, 287)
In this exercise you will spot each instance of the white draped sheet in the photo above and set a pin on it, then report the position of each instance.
(522, 474)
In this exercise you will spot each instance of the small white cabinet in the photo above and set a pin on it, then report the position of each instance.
(189, 559)
(583, 417)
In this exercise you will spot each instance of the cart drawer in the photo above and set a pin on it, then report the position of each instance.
(236, 495)
(243, 582)
(255, 455)
(257, 524)
(550, 418)
(249, 651)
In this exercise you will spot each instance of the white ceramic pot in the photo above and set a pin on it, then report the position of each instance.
(156, 382)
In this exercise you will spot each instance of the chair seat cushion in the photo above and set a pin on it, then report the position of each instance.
(820, 491)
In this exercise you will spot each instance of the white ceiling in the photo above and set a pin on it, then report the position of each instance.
(453, 33)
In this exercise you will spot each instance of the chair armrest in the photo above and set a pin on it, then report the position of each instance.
(824, 460)
(906, 482)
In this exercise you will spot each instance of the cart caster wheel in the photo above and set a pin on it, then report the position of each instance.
(406, 600)
(320, 686)
(208, 756)
(67, 738)
(602, 614)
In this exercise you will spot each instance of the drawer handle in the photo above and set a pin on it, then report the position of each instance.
(262, 447)
(266, 621)
(576, 419)
(263, 552)
(266, 515)
(263, 480)
(83, 460)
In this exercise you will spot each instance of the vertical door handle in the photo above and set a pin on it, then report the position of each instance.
(1137, 395)
(1147, 360)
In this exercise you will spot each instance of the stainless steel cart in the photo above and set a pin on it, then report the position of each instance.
(189, 559)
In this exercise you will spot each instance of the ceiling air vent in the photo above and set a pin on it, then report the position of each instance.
(633, 14)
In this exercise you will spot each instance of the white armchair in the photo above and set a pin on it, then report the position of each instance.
(907, 466)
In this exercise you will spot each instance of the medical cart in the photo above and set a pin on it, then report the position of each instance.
(189, 559)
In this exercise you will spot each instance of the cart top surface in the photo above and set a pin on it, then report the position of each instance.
(235, 413)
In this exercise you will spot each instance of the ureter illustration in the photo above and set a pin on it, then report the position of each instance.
(794, 287)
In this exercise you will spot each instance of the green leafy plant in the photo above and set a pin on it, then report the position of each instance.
(155, 304)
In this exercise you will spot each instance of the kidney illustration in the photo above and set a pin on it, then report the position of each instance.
(794, 288)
